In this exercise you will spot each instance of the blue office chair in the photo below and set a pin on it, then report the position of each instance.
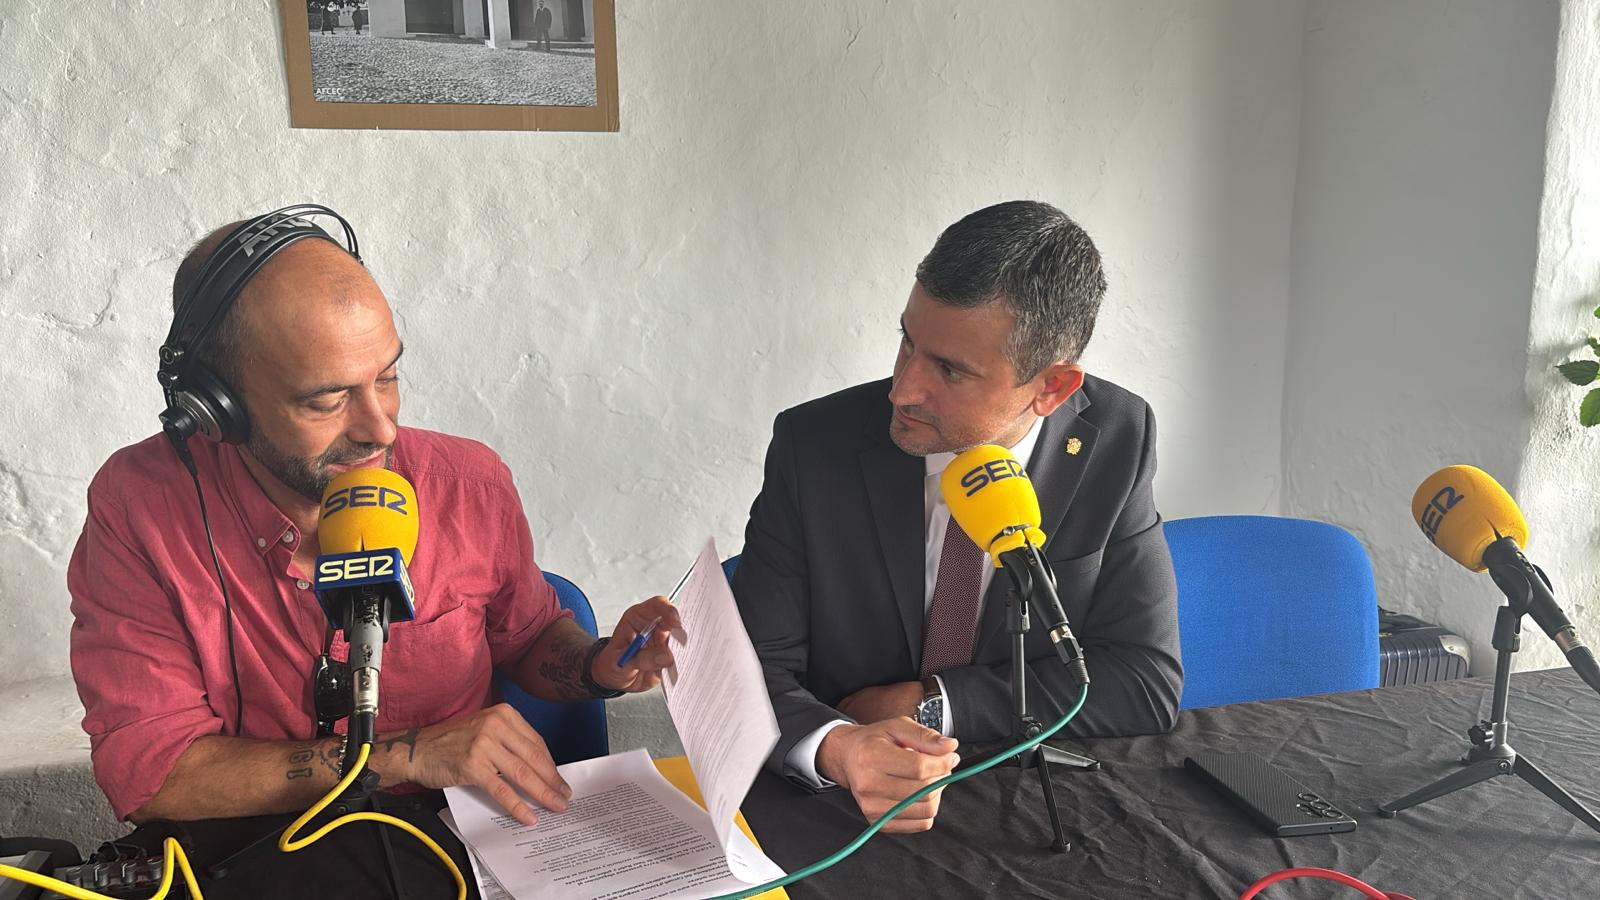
(730, 566)
(1272, 607)
(576, 729)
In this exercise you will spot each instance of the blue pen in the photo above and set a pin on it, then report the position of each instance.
(639, 640)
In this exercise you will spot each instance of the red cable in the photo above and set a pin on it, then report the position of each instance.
(1329, 874)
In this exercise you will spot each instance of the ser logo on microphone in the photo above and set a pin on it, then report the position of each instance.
(980, 477)
(364, 495)
(1433, 514)
(345, 568)
(348, 570)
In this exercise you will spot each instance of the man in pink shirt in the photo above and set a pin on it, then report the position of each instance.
(310, 350)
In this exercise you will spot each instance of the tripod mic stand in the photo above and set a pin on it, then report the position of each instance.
(1023, 724)
(1491, 754)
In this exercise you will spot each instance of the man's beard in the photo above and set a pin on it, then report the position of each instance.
(910, 445)
(309, 476)
(921, 444)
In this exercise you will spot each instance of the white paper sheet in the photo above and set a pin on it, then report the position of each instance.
(627, 833)
(488, 888)
(716, 694)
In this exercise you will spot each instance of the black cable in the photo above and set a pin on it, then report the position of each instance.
(227, 604)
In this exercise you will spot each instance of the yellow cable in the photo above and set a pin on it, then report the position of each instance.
(289, 844)
(174, 851)
(174, 854)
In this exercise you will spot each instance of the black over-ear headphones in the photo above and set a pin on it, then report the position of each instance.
(197, 400)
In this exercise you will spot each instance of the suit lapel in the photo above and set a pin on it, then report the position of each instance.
(1059, 460)
(894, 489)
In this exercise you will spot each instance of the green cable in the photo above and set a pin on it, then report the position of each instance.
(900, 807)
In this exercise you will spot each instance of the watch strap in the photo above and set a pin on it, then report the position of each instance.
(595, 687)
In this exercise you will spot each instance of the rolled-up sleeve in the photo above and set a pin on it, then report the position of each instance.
(525, 604)
(137, 674)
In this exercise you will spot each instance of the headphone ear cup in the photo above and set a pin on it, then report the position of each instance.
(220, 415)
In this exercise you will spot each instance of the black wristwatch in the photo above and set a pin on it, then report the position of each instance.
(592, 686)
(930, 712)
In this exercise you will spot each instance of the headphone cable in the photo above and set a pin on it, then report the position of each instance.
(182, 446)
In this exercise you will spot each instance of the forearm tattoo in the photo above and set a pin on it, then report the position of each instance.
(563, 668)
(305, 759)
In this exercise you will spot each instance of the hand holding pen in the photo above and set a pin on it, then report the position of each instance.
(638, 642)
(637, 653)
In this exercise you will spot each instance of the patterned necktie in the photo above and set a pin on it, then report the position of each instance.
(953, 614)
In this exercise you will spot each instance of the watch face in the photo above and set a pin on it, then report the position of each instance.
(930, 713)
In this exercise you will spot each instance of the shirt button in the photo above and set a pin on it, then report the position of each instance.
(261, 542)
(302, 585)
(288, 537)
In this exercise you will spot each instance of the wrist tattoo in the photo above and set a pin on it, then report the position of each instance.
(409, 739)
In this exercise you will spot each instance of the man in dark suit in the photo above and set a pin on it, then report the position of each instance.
(880, 625)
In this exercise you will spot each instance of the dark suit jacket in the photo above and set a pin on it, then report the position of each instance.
(830, 582)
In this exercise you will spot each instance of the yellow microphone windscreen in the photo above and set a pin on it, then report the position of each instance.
(1463, 510)
(368, 509)
(991, 498)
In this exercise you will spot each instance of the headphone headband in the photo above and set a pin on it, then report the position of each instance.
(226, 271)
(197, 400)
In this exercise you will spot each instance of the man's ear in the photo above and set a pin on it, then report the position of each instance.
(1056, 383)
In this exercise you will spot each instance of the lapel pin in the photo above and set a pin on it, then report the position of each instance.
(1073, 446)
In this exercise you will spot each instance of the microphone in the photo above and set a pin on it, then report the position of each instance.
(993, 501)
(367, 531)
(1469, 516)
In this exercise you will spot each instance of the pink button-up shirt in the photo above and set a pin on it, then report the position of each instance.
(149, 641)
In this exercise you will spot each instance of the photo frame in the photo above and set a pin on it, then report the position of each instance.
(505, 65)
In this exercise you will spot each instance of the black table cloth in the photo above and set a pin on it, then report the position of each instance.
(1143, 827)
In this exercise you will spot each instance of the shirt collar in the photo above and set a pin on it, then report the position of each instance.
(267, 524)
(936, 463)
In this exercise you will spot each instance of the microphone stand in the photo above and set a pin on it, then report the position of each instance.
(366, 628)
(1023, 724)
(367, 607)
(1491, 754)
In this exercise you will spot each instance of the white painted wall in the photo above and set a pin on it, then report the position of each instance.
(1558, 488)
(622, 315)
(1414, 235)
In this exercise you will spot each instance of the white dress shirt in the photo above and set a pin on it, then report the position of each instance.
(801, 760)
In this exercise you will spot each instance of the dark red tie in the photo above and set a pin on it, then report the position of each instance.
(953, 614)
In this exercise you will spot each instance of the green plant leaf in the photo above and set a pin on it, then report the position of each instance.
(1597, 312)
(1594, 344)
(1589, 413)
(1582, 371)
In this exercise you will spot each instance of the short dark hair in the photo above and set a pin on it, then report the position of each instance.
(222, 352)
(1036, 260)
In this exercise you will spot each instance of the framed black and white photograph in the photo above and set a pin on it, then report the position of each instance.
(547, 65)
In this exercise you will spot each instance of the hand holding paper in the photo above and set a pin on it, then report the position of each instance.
(626, 832)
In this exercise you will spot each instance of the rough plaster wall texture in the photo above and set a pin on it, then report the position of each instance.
(1558, 490)
(46, 786)
(1422, 141)
(622, 315)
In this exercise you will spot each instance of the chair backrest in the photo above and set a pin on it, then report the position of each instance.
(1272, 607)
(730, 566)
(574, 729)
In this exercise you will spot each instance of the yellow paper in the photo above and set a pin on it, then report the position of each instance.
(676, 770)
